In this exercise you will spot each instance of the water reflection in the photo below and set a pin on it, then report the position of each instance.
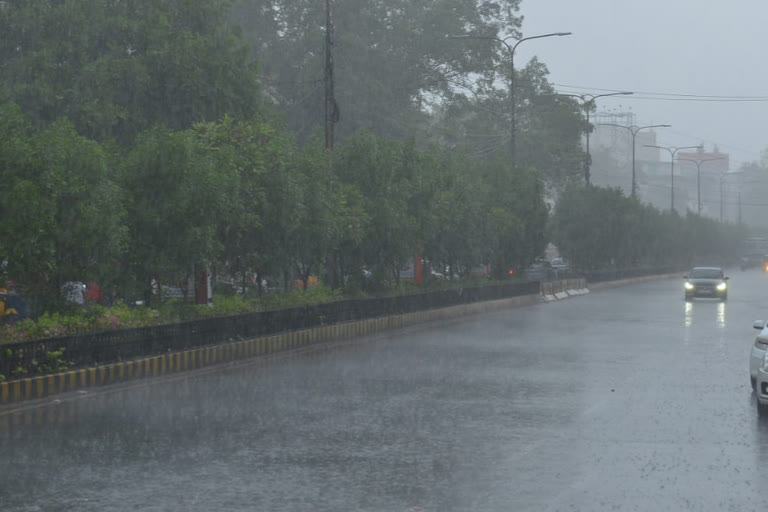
(721, 315)
(688, 316)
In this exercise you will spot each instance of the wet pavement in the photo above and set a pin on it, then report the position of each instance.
(624, 399)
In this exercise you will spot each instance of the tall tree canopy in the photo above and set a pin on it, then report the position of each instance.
(117, 67)
(392, 58)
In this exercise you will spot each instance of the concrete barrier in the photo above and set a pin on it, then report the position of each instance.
(563, 289)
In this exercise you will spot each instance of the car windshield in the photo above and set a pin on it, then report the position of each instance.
(706, 273)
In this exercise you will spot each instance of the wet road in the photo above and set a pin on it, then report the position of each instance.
(624, 399)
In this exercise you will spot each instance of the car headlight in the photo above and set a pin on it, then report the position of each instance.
(689, 286)
(721, 287)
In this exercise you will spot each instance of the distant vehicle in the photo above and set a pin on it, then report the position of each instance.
(707, 282)
(539, 270)
(759, 350)
(560, 267)
(559, 264)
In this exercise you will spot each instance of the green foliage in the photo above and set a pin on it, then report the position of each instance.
(391, 58)
(597, 228)
(115, 69)
(548, 127)
(62, 208)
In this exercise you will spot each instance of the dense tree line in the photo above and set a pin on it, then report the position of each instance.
(241, 197)
(600, 228)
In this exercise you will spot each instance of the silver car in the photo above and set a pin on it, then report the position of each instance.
(759, 349)
(761, 389)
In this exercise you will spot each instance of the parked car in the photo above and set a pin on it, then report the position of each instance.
(759, 349)
(559, 264)
(539, 270)
(707, 282)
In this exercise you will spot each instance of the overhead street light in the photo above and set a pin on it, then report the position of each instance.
(698, 162)
(672, 151)
(588, 102)
(633, 130)
(511, 49)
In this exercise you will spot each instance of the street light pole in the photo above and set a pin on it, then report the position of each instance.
(633, 130)
(698, 163)
(511, 50)
(672, 151)
(721, 197)
(587, 103)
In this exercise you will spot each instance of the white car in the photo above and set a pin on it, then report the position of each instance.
(759, 349)
(761, 388)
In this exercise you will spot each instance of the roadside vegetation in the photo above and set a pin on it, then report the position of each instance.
(191, 141)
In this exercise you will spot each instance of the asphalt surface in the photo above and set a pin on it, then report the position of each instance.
(623, 399)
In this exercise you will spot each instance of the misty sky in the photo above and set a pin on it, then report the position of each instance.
(698, 47)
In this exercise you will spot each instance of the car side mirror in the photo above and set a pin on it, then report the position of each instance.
(685, 276)
(726, 278)
(759, 324)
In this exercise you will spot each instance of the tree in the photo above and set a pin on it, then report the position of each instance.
(391, 59)
(62, 209)
(262, 194)
(548, 126)
(515, 217)
(375, 167)
(176, 196)
(116, 68)
(598, 228)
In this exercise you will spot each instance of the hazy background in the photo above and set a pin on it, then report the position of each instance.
(656, 46)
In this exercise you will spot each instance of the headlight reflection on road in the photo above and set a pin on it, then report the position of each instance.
(688, 314)
(721, 315)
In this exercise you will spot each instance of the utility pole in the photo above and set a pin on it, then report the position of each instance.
(331, 112)
(331, 118)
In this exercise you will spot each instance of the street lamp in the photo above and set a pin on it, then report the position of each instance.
(588, 102)
(633, 130)
(698, 163)
(511, 49)
(672, 151)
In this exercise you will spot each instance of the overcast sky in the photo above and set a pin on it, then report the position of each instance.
(698, 47)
